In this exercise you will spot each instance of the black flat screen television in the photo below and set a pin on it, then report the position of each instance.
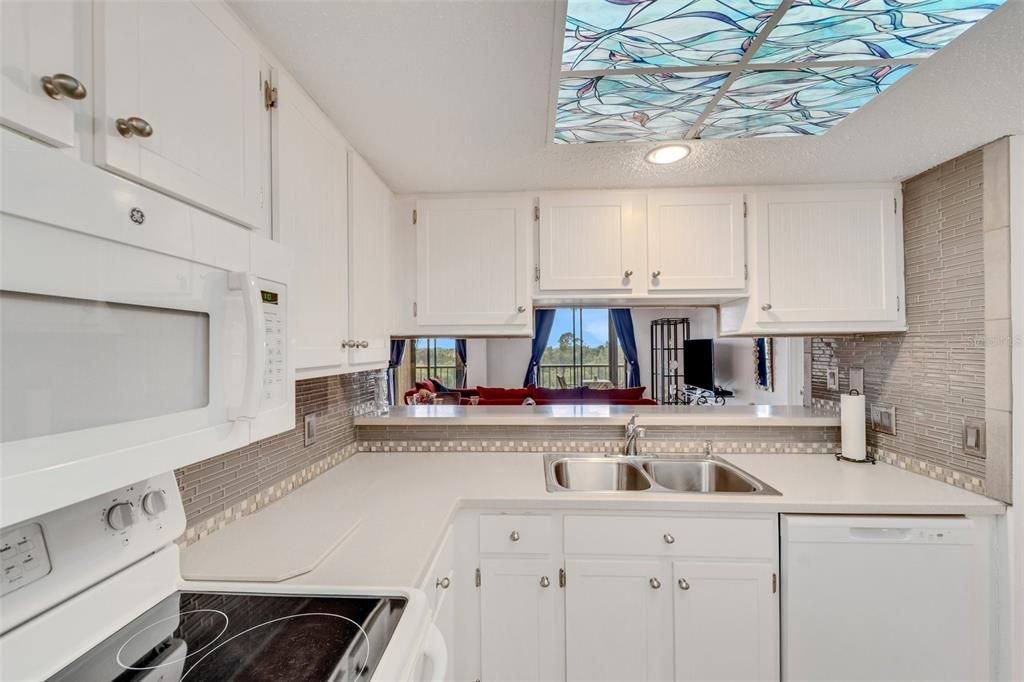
(699, 363)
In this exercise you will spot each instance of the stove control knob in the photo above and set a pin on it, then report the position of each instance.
(154, 502)
(121, 515)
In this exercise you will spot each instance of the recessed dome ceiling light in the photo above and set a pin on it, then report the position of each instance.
(668, 153)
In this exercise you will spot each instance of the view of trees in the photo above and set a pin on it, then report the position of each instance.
(580, 350)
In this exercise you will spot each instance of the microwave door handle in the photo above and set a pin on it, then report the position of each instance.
(255, 347)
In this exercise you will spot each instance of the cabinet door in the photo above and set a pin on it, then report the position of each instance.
(695, 241)
(368, 258)
(39, 39)
(592, 240)
(310, 160)
(520, 620)
(472, 261)
(194, 73)
(726, 621)
(828, 256)
(618, 620)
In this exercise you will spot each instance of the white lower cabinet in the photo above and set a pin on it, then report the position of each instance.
(726, 621)
(673, 597)
(618, 620)
(520, 620)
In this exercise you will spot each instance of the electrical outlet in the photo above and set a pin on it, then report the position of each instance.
(883, 418)
(309, 426)
(974, 437)
(857, 380)
(832, 378)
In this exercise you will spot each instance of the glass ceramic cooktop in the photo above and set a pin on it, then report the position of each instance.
(211, 636)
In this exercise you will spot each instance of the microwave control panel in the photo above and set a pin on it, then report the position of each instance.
(23, 555)
(275, 368)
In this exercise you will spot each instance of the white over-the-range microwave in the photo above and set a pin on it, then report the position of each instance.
(137, 334)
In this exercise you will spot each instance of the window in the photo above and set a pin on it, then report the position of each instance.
(437, 358)
(582, 351)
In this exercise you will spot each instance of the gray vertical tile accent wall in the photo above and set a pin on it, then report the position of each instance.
(220, 489)
(949, 366)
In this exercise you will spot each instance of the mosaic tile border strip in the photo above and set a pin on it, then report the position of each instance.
(263, 497)
(932, 470)
(677, 447)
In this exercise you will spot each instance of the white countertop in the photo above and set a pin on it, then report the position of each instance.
(584, 414)
(406, 501)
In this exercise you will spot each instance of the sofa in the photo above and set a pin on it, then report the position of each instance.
(563, 396)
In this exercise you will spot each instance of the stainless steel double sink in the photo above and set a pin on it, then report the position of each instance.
(669, 473)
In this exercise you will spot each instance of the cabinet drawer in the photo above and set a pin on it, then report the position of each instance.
(441, 570)
(516, 534)
(672, 536)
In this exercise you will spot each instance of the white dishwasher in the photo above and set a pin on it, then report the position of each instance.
(884, 598)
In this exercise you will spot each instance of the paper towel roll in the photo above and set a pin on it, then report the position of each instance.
(852, 428)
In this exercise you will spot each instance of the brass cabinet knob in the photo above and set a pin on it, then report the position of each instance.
(668, 538)
(444, 583)
(656, 274)
(627, 274)
(655, 583)
(364, 344)
(766, 307)
(61, 85)
(133, 125)
(683, 584)
(544, 581)
(344, 344)
(514, 536)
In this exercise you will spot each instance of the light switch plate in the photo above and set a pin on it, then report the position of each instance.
(857, 380)
(974, 437)
(883, 418)
(309, 429)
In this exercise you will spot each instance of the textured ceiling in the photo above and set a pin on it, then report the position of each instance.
(456, 96)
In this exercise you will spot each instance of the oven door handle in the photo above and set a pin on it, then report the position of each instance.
(435, 651)
(255, 345)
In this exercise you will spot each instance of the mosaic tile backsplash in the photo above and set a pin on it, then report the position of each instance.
(218, 490)
(953, 363)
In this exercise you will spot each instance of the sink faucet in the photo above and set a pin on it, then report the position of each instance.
(633, 433)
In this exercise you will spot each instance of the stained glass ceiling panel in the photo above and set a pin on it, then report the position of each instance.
(616, 34)
(649, 107)
(796, 102)
(868, 29)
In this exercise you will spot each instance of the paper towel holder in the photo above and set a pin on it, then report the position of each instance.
(869, 459)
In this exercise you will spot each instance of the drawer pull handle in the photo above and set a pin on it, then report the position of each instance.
(544, 581)
(655, 583)
(683, 584)
(514, 536)
(668, 538)
(444, 583)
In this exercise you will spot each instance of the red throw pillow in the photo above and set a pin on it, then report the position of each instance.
(427, 384)
(498, 393)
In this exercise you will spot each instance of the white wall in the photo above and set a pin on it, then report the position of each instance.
(734, 360)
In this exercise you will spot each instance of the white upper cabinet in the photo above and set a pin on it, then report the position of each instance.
(369, 277)
(592, 241)
(311, 190)
(472, 262)
(695, 241)
(828, 256)
(38, 40)
(180, 104)
(726, 621)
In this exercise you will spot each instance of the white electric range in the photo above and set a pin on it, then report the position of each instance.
(92, 592)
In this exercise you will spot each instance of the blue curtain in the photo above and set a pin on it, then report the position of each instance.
(397, 353)
(460, 351)
(543, 320)
(623, 321)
